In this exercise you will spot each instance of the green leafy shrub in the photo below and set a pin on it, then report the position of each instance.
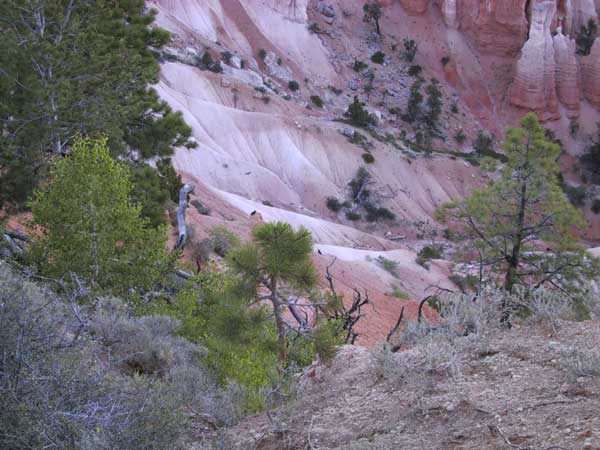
(90, 226)
(388, 265)
(378, 57)
(223, 240)
(333, 204)
(314, 28)
(368, 158)
(399, 293)
(293, 85)
(353, 216)
(410, 50)
(358, 114)
(428, 253)
(415, 70)
(460, 137)
(359, 66)
(576, 195)
(484, 143)
(317, 101)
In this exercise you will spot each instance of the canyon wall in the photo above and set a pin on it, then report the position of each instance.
(538, 36)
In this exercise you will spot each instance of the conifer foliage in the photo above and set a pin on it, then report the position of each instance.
(78, 67)
(521, 226)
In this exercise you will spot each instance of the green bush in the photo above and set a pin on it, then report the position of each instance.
(576, 195)
(388, 265)
(353, 216)
(317, 101)
(204, 210)
(410, 50)
(314, 28)
(415, 70)
(483, 144)
(378, 57)
(293, 85)
(358, 115)
(460, 136)
(359, 66)
(428, 253)
(333, 204)
(399, 293)
(368, 158)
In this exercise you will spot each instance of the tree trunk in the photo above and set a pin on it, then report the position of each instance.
(277, 310)
(515, 257)
(181, 228)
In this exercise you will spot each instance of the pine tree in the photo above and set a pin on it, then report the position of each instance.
(277, 262)
(434, 103)
(373, 13)
(586, 37)
(90, 227)
(415, 101)
(358, 114)
(74, 68)
(521, 226)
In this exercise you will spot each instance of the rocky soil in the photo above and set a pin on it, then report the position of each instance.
(531, 387)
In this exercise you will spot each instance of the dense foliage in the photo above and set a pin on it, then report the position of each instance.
(89, 225)
(74, 68)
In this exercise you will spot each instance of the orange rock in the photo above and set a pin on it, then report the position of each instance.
(415, 6)
(497, 27)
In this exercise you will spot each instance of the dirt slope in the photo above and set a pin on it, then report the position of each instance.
(514, 389)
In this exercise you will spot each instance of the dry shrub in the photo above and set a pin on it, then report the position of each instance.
(582, 362)
(97, 378)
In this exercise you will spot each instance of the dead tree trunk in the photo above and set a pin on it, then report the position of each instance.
(183, 203)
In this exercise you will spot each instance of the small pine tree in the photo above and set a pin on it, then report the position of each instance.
(90, 227)
(373, 13)
(410, 50)
(586, 37)
(434, 103)
(484, 144)
(358, 115)
(521, 224)
(415, 101)
(277, 259)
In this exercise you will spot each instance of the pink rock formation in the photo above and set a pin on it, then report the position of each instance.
(567, 73)
(578, 14)
(415, 6)
(590, 71)
(498, 27)
(450, 12)
(534, 87)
